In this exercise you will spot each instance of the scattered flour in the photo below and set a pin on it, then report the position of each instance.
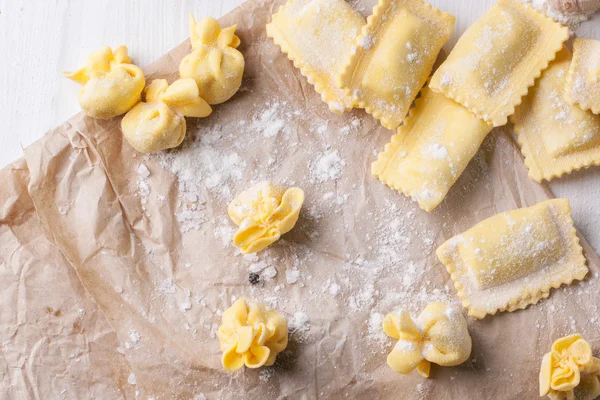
(270, 121)
(266, 374)
(131, 379)
(328, 167)
(134, 339)
(375, 330)
(438, 152)
(197, 165)
(299, 326)
(572, 20)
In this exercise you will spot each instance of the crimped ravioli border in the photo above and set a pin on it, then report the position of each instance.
(540, 164)
(371, 28)
(516, 98)
(322, 86)
(529, 296)
(584, 103)
(379, 166)
(557, 166)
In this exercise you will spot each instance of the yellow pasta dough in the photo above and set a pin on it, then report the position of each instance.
(512, 259)
(159, 123)
(431, 149)
(251, 335)
(263, 213)
(439, 336)
(393, 57)
(570, 371)
(498, 58)
(111, 84)
(556, 137)
(318, 36)
(583, 80)
(214, 63)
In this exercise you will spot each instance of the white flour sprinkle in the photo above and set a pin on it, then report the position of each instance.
(166, 286)
(446, 79)
(269, 272)
(572, 20)
(134, 339)
(270, 122)
(185, 305)
(266, 374)
(143, 171)
(258, 267)
(375, 329)
(367, 42)
(299, 326)
(199, 165)
(292, 276)
(437, 151)
(328, 167)
(131, 379)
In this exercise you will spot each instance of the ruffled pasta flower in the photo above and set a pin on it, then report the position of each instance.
(438, 336)
(570, 371)
(251, 335)
(111, 84)
(159, 123)
(214, 63)
(263, 213)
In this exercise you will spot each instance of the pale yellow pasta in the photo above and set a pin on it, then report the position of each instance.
(431, 149)
(263, 213)
(583, 80)
(498, 58)
(438, 336)
(511, 260)
(556, 137)
(159, 123)
(318, 36)
(251, 335)
(214, 63)
(393, 57)
(570, 371)
(112, 85)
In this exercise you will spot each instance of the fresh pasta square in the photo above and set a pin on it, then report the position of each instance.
(318, 36)
(431, 149)
(498, 58)
(583, 80)
(511, 260)
(556, 137)
(393, 57)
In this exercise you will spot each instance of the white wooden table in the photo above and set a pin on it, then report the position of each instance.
(40, 38)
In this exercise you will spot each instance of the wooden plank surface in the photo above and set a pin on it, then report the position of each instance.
(39, 39)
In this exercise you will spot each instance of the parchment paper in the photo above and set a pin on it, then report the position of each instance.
(56, 344)
(361, 250)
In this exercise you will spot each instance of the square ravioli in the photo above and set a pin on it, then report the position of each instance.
(583, 81)
(498, 58)
(318, 36)
(511, 260)
(555, 137)
(431, 149)
(393, 57)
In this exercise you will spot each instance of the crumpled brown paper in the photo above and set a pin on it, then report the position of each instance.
(56, 344)
(140, 267)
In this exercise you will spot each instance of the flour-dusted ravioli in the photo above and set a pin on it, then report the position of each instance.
(555, 137)
(583, 81)
(318, 36)
(431, 150)
(498, 58)
(512, 259)
(393, 57)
